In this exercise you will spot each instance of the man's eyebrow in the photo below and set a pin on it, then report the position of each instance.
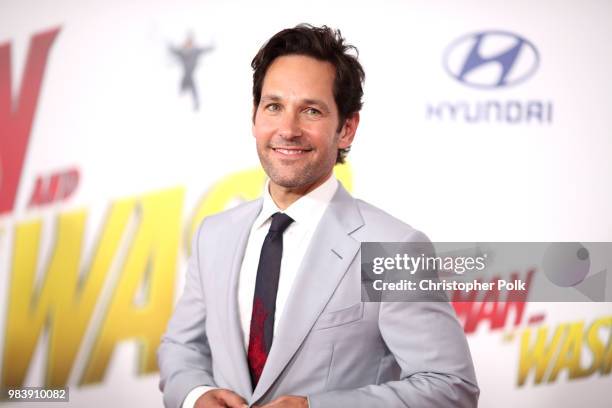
(273, 98)
(307, 101)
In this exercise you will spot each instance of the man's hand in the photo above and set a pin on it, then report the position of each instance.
(287, 401)
(220, 398)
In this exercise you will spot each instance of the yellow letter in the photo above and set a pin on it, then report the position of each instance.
(23, 324)
(539, 355)
(64, 302)
(570, 352)
(606, 365)
(143, 299)
(595, 343)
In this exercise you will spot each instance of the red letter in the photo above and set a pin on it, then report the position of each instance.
(16, 118)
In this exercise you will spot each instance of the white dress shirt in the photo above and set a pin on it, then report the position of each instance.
(306, 213)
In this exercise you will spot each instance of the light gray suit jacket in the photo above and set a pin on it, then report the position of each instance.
(329, 346)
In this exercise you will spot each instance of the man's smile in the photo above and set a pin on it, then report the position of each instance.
(291, 151)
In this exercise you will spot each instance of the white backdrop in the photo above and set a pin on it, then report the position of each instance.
(109, 107)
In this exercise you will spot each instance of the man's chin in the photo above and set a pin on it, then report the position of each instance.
(295, 178)
(292, 181)
(289, 182)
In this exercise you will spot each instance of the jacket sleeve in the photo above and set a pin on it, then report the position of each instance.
(429, 345)
(184, 356)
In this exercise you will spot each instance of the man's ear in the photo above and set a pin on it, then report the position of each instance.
(347, 133)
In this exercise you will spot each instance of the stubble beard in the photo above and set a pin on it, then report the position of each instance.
(296, 177)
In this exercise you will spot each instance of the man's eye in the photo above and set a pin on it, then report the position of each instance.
(312, 111)
(273, 107)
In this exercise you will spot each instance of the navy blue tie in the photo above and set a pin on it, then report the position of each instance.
(264, 301)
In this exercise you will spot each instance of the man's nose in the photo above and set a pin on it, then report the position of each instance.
(290, 125)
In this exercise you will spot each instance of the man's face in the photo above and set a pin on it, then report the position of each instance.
(295, 125)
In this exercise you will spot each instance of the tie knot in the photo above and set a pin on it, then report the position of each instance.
(280, 222)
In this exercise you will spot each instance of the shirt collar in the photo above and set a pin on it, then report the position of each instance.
(303, 210)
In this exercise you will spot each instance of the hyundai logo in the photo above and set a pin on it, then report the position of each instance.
(491, 59)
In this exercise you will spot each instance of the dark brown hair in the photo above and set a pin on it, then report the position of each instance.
(324, 44)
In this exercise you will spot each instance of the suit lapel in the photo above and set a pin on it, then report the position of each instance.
(229, 290)
(331, 251)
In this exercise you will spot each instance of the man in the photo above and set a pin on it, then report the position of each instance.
(271, 315)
